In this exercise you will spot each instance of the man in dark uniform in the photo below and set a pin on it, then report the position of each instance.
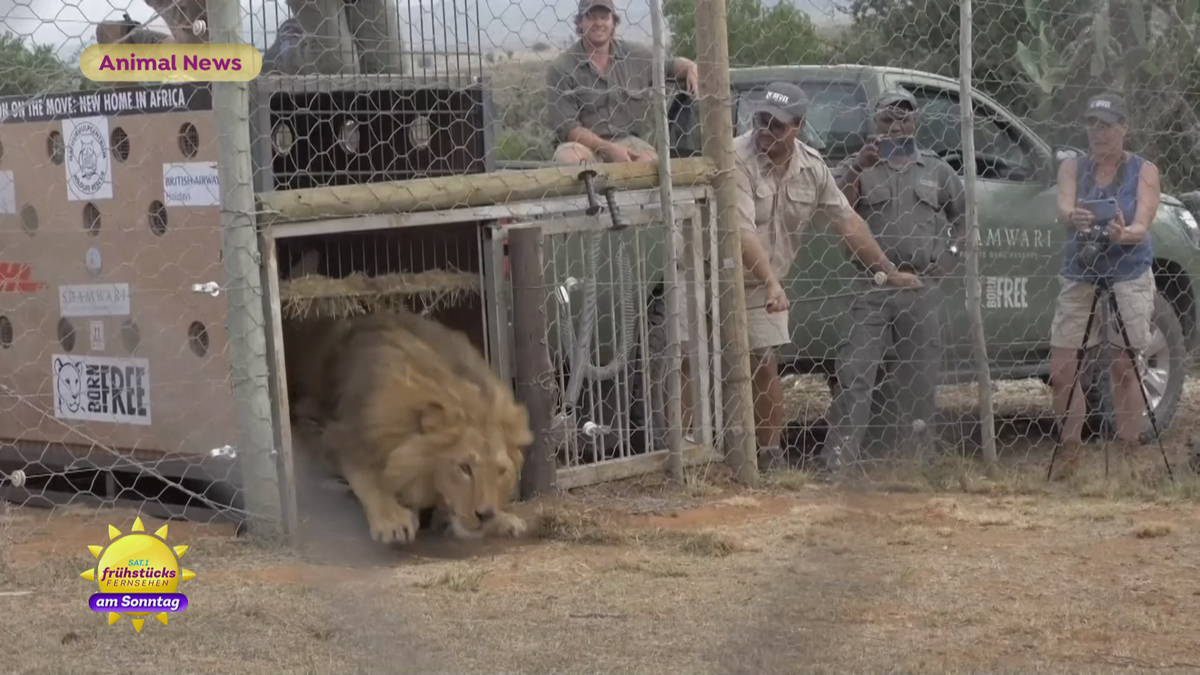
(909, 198)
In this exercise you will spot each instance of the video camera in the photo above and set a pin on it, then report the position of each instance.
(1095, 240)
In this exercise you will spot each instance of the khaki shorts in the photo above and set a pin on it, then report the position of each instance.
(765, 330)
(1135, 298)
(581, 150)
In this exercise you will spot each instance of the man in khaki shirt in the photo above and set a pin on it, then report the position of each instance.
(783, 185)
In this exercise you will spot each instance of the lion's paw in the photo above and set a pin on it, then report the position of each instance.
(507, 525)
(395, 523)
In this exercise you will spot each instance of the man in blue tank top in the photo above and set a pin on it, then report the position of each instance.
(1108, 171)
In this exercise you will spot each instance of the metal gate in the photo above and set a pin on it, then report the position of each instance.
(453, 265)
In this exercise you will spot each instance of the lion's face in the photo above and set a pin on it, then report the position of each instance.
(476, 482)
(478, 477)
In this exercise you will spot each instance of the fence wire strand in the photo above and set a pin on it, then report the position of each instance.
(677, 232)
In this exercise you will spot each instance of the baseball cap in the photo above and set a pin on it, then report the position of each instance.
(785, 102)
(586, 6)
(1107, 107)
(893, 97)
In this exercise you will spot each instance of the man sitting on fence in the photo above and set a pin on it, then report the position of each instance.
(600, 91)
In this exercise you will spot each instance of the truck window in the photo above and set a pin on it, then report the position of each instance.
(837, 116)
(940, 130)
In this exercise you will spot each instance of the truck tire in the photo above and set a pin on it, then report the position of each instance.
(1163, 369)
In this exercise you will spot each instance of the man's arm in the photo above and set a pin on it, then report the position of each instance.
(836, 211)
(954, 204)
(847, 179)
(563, 107)
(685, 71)
(755, 260)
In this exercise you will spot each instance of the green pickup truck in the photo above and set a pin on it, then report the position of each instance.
(1021, 243)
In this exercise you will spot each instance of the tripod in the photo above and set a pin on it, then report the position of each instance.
(1103, 289)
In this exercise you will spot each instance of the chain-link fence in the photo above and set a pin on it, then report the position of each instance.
(606, 204)
(970, 365)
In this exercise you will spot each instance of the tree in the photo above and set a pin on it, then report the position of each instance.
(1042, 59)
(758, 36)
(35, 70)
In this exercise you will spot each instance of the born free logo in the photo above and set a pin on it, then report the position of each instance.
(138, 575)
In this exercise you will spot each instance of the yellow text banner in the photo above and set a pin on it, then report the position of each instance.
(171, 63)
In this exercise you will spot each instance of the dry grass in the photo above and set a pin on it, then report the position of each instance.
(317, 295)
(1153, 530)
(468, 581)
(931, 581)
(930, 567)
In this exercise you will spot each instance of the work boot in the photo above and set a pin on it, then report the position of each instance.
(1070, 458)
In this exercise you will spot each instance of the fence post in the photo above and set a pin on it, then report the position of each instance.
(974, 281)
(674, 394)
(716, 128)
(261, 482)
(531, 358)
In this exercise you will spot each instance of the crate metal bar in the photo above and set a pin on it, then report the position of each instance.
(697, 319)
(627, 201)
(574, 224)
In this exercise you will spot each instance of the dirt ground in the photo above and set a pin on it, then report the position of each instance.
(929, 569)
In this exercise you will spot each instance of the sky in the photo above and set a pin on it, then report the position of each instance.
(69, 25)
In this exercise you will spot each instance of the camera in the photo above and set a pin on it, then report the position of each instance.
(1095, 240)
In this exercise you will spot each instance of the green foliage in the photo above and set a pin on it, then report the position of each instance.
(1042, 59)
(758, 36)
(28, 70)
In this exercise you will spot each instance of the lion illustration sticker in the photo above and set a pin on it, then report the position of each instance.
(86, 157)
(101, 389)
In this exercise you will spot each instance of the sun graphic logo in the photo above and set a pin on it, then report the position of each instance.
(138, 575)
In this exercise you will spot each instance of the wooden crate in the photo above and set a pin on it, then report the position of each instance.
(106, 346)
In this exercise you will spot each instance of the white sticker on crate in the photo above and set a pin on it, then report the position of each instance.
(101, 389)
(97, 336)
(86, 159)
(8, 193)
(191, 184)
(94, 300)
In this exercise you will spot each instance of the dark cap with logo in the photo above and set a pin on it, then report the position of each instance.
(586, 6)
(1107, 107)
(895, 97)
(785, 102)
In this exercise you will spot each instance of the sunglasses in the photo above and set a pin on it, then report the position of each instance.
(889, 115)
(765, 120)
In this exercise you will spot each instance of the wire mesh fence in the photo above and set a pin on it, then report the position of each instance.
(670, 239)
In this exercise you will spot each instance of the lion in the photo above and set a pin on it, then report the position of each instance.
(413, 418)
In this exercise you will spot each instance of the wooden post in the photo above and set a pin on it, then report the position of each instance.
(532, 358)
(673, 242)
(987, 426)
(257, 455)
(716, 127)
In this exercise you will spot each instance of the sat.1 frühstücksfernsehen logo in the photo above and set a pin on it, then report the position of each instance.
(138, 575)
